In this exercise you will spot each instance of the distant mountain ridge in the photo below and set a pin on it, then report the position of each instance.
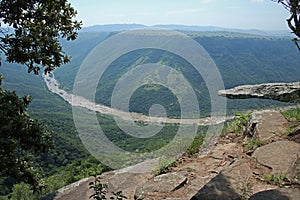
(124, 27)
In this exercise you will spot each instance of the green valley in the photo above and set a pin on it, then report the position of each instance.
(240, 58)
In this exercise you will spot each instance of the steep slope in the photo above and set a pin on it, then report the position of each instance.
(240, 58)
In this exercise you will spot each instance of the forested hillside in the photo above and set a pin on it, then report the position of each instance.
(241, 59)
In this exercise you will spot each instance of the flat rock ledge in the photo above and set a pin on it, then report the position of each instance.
(285, 92)
(280, 156)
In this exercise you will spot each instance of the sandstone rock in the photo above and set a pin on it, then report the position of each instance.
(261, 186)
(286, 92)
(277, 194)
(126, 182)
(78, 190)
(218, 188)
(164, 183)
(221, 173)
(226, 185)
(279, 156)
(268, 124)
(195, 184)
(220, 150)
(238, 173)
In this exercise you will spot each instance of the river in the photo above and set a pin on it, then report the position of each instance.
(75, 100)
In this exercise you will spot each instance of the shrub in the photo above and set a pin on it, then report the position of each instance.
(253, 144)
(292, 114)
(240, 122)
(275, 179)
(100, 191)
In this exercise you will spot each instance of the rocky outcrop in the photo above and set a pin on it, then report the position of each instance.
(226, 172)
(125, 180)
(285, 92)
(77, 190)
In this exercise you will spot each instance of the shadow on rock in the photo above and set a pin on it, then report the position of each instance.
(219, 188)
(278, 194)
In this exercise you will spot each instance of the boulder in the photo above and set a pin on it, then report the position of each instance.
(279, 156)
(267, 123)
(277, 194)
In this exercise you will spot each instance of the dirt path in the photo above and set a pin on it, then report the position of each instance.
(74, 100)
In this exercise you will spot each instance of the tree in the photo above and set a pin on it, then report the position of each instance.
(22, 191)
(293, 6)
(32, 38)
(33, 30)
(20, 138)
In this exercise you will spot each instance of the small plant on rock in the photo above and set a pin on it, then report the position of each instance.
(118, 196)
(293, 116)
(100, 191)
(253, 144)
(275, 179)
(240, 122)
(98, 188)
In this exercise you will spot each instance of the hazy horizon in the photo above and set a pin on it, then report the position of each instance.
(192, 25)
(233, 14)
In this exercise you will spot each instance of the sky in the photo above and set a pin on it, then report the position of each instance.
(242, 14)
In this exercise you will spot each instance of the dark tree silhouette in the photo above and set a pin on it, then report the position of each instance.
(32, 32)
(293, 6)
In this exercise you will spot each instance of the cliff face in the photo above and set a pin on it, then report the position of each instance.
(252, 165)
(285, 92)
